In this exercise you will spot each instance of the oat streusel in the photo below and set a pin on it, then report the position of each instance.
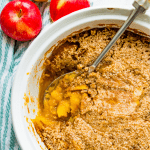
(114, 110)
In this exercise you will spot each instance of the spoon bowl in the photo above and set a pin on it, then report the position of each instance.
(54, 84)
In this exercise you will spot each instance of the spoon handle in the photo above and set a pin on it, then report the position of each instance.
(140, 7)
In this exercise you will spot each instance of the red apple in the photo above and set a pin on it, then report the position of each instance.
(21, 20)
(60, 8)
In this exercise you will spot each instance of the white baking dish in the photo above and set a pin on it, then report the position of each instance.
(23, 83)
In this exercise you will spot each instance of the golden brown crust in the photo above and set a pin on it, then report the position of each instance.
(115, 111)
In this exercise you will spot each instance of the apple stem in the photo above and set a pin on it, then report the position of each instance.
(20, 13)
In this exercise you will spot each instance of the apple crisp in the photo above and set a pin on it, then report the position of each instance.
(103, 110)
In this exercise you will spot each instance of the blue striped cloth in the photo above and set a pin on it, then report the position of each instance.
(11, 52)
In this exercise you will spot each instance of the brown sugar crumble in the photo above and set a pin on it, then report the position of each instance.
(108, 109)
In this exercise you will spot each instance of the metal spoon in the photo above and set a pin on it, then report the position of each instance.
(140, 7)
